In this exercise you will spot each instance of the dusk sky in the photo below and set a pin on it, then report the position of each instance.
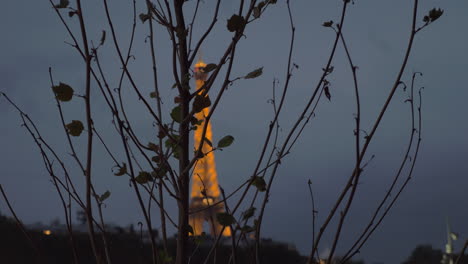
(376, 31)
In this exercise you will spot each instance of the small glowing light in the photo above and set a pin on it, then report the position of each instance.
(208, 201)
(47, 232)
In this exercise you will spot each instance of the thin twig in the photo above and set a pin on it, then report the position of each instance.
(462, 253)
(19, 224)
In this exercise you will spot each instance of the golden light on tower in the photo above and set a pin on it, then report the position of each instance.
(205, 190)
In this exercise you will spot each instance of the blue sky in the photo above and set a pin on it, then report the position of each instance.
(376, 32)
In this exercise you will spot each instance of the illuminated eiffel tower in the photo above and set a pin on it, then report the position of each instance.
(205, 190)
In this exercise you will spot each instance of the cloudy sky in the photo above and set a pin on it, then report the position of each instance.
(33, 39)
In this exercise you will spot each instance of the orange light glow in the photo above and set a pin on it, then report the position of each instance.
(47, 232)
(205, 189)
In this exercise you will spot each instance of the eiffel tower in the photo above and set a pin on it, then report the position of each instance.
(205, 190)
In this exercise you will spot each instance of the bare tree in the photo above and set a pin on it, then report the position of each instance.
(163, 169)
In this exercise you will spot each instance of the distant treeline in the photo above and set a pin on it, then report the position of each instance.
(125, 247)
(128, 247)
